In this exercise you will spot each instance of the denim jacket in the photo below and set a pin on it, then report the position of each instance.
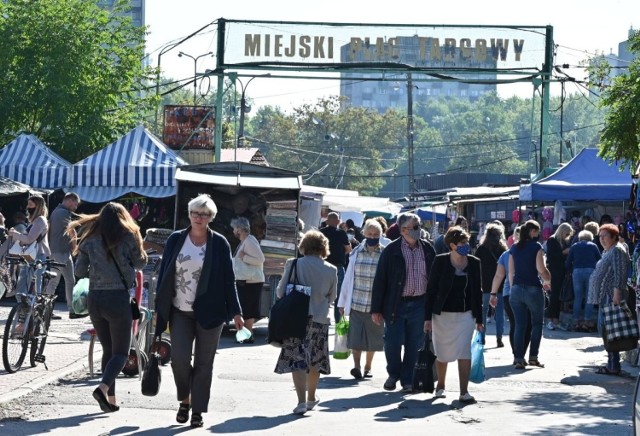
(95, 262)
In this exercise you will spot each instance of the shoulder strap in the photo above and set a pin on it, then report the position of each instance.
(124, 282)
(291, 271)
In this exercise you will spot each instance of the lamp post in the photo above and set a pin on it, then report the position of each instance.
(244, 108)
(412, 182)
(195, 73)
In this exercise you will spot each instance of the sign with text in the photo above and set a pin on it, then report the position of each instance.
(189, 127)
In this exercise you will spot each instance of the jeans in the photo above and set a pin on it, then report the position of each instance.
(25, 276)
(499, 312)
(336, 312)
(406, 329)
(512, 327)
(110, 314)
(613, 357)
(525, 301)
(580, 292)
(69, 278)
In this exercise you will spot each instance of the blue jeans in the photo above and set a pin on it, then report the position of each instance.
(336, 312)
(527, 300)
(499, 313)
(613, 357)
(580, 291)
(25, 276)
(406, 329)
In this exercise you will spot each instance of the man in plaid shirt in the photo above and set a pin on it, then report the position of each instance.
(398, 298)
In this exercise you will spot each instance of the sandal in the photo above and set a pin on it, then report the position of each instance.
(367, 373)
(183, 413)
(606, 371)
(536, 362)
(196, 420)
(521, 365)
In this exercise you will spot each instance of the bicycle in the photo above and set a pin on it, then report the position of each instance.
(29, 320)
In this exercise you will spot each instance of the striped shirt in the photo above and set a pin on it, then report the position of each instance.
(416, 270)
(364, 272)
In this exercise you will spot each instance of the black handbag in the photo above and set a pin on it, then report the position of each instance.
(289, 315)
(424, 371)
(152, 376)
(566, 293)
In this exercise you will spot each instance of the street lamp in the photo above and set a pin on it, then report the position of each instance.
(244, 108)
(195, 74)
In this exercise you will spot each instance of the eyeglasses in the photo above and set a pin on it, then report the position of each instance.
(414, 227)
(603, 235)
(201, 215)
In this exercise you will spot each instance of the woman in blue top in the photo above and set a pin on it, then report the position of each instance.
(582, 259)
(526, 266)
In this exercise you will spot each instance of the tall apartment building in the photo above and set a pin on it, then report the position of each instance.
(136, 12)
(375, 91)
(621, 62)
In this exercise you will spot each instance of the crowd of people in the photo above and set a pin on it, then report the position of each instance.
(394, 283)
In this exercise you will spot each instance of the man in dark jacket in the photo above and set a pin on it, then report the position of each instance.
(398, 298)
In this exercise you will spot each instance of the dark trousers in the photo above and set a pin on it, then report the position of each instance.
(110, 314)
(192, 379)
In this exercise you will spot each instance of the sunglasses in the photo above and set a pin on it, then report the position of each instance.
(202, 215)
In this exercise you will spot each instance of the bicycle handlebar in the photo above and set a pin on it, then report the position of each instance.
(20, 259)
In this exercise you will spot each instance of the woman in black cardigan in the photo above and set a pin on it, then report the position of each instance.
(196, 294)
(453, 308)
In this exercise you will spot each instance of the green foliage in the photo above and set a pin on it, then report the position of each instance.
(70, 73)
(621, 133)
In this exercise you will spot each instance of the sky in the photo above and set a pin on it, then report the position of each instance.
(581, 28)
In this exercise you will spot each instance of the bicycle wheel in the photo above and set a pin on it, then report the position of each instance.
(14, 344)
(39, 339)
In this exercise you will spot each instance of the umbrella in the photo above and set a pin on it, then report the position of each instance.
(424, 372)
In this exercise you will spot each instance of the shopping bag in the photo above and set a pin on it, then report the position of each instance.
(566, 293)
(424, 371)
(80, 294)
(152, 376)
(289, 316)
(477, 359)
(620, 328)
(340, 350)
(29, 252)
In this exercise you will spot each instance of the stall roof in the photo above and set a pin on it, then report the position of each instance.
(27, 160)
(585, 177)
(240, 174)
(344, 200)
(10, 187)
(138, 162)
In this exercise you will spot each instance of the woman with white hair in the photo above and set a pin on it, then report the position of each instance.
(196, 294)
(247, 265)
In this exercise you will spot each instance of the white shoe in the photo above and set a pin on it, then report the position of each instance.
(300, 409)
(312, 404)
(440, 393)
(551, 325)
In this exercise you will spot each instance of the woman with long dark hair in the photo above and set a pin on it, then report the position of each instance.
(109, 252)
(526, 267)
(491, 247)
(558, 246)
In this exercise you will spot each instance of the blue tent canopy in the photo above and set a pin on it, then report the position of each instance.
(27, 160)
(586, 177)
(136, 163)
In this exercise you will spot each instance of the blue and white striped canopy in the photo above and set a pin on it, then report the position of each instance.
(29, 161)
(138, 162)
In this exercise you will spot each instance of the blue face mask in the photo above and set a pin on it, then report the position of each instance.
(463, 250)
(372, 242)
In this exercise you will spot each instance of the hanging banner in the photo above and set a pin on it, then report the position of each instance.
(188, 127)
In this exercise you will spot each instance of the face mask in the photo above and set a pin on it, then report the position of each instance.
(372, 242)
(463, 250)
(414, 234)
(31, 210)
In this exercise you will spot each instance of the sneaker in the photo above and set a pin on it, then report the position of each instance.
(440, 393)
(407, 389)
(73, 315)
(55, 317)
(499, 342)
(312, 404)
(467, 399)
(300, 409)
(551, 325)
(390, 384)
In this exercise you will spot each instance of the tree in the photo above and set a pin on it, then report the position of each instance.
(71, 73)
(621, 133)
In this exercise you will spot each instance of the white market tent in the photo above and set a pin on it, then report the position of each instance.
(27, 160)
(136, 163)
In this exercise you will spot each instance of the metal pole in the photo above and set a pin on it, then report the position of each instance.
(544, 105)
(195, 81)
(412, 182)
